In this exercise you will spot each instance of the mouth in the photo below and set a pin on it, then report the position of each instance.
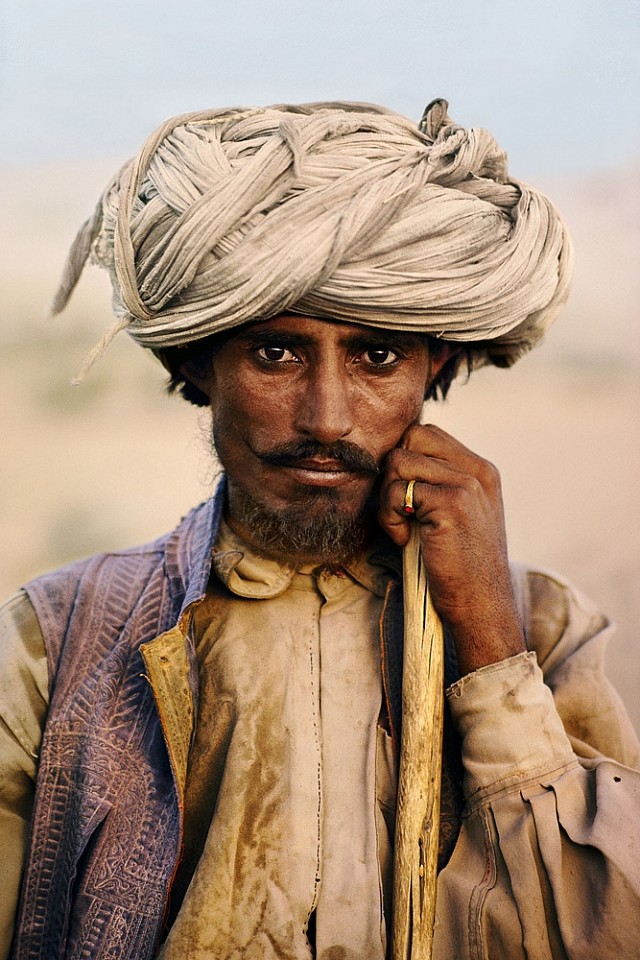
(320, 472)
(311, 465)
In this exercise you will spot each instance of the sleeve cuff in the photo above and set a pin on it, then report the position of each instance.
(510, 729)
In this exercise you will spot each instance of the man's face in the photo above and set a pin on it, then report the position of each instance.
(304, 412)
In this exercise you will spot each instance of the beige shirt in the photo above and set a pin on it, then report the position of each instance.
(547, 862)
(291, 694)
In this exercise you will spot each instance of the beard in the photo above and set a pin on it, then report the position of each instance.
(311, 530)
(316, 527)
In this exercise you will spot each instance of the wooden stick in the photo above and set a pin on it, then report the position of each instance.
(418, 808)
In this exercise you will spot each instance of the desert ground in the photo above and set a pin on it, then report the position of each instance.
(114, 461)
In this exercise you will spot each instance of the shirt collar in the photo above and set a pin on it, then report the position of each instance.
(248, 573)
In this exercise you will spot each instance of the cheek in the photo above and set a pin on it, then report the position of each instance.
(388, 421)
(246, 421)
(413, 405)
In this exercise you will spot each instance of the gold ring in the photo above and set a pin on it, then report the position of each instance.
(408, 497)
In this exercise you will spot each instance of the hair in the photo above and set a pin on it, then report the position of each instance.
(198, 356)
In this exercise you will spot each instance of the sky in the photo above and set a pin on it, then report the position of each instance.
(556, 81)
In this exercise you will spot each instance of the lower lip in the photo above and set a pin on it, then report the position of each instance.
(320, 478)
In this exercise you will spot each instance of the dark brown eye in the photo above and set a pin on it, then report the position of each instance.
(275, 354)
(380, 356)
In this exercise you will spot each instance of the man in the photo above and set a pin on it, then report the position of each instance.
(222, 708)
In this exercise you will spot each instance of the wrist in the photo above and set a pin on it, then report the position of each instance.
(482, 641)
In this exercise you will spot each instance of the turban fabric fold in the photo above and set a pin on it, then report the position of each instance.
(338, 210)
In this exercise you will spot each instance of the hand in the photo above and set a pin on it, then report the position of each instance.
(458, 505)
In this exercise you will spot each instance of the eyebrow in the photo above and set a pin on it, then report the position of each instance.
(255, 337)
(384, 338)
(356, 340)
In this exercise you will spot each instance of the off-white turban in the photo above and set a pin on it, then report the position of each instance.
(337, 210)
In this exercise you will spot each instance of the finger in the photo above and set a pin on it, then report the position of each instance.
(431, 441)
(429, 447)
(442, 495)
(429, 475)
(451, 483)
(432, 504)
(394, 514)
(403, 464)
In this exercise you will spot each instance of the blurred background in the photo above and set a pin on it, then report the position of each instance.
(113, 461)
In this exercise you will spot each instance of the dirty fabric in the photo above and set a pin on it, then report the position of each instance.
(546, 864)
(289, 766)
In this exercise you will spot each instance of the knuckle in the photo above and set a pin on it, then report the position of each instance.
(465, 496)
(488, 475)
(428, 430)
(419, 434)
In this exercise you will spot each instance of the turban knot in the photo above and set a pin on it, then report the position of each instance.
(338, 210)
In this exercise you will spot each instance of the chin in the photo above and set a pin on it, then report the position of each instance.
(313, 531)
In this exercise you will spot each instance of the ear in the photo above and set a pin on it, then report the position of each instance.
(441, 355)
(199, 374)
(444, 360)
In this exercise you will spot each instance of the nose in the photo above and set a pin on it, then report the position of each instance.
(325, 409)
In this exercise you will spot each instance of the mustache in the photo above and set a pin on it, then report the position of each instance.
(350, 456)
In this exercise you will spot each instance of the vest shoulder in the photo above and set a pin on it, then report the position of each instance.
(145, 554)
(75, 571)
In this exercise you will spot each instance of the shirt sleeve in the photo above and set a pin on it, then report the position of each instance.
(546, 865)
(23, 707)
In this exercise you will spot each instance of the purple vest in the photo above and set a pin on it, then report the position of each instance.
(107, 824)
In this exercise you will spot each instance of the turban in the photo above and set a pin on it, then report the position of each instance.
(345, 211)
